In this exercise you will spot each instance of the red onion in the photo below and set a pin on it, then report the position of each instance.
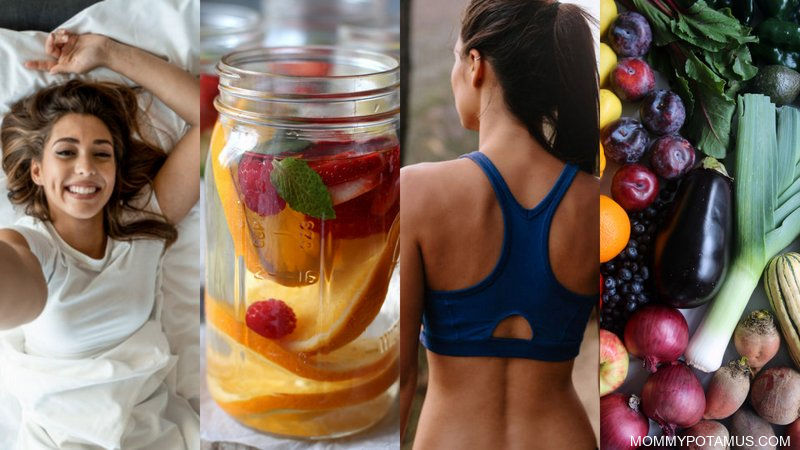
(673, 397)
(621, 420)
(656, 334)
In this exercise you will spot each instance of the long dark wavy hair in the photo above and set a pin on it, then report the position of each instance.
(27, 126)
(543, 55)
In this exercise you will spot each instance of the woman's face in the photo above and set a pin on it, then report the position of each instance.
(467, 100)
(77, 168)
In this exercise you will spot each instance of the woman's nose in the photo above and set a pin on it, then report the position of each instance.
(85, 166)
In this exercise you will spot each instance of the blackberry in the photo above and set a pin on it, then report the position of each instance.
(627, 285)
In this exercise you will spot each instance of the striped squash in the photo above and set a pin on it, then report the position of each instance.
(782, 283)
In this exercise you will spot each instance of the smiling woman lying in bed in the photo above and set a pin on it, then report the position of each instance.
(81, 272)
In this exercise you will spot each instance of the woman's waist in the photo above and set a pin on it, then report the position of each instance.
(505, 418)
(501, 380)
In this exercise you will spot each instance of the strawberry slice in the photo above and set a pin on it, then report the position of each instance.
(256, 189)
(348, 167)
(344, 192)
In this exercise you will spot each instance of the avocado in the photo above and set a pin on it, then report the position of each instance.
(780, 83)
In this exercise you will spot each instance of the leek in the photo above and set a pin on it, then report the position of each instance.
(767, 217)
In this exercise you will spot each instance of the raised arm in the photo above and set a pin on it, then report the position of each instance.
(412, 297)
(24, 291)
(177, 185)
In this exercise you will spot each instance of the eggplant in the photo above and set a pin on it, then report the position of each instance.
(692, 244)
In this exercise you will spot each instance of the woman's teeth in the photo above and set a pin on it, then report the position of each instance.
(82, 189)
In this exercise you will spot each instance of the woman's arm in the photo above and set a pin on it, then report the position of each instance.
(177, 185)
(412, 285)
(24, 290)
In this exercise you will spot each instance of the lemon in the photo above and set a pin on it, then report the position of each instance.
(610, 107)
(602, 157)
(608, 12)
(608, 59)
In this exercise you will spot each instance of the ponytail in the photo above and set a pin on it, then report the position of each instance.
(577, 128)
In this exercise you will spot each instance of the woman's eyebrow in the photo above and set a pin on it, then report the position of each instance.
(73, 140)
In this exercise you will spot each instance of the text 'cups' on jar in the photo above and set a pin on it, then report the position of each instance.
(303, 199)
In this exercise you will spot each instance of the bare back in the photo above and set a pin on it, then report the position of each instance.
(492, 402)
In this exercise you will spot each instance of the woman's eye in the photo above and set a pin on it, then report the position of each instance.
(103, 155)
(65, 152)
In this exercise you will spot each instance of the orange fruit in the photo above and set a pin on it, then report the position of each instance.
(231, 205)
(358, 288)
(325, 422)
(362, 358)
(323, 399)
(615, 229)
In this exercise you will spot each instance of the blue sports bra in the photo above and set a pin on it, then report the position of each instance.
(461, 322)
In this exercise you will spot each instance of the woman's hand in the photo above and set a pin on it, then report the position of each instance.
(73, 53)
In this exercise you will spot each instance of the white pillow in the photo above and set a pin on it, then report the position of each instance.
(169, 29)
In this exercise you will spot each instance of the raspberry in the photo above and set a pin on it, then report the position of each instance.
(271, 318)
(257, 191)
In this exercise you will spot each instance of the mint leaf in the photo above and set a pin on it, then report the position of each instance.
(302, 188)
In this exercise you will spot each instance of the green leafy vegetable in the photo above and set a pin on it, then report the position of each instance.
(707, 49)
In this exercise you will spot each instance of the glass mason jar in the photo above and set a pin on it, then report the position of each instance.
(302, 230)
(224, 27)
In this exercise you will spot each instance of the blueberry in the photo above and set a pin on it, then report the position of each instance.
(625, 274)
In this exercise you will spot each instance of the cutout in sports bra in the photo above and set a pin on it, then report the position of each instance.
(522, 283)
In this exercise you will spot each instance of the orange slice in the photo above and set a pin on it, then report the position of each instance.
(231, 205)
(335, 311)
(337, 398)
(363, 358)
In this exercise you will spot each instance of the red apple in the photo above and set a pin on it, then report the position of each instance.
(613, 362)
(634, 187)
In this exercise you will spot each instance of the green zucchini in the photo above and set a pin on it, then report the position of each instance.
(782, 283)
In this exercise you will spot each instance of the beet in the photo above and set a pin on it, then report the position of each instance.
(775, 395)
(728, 389)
